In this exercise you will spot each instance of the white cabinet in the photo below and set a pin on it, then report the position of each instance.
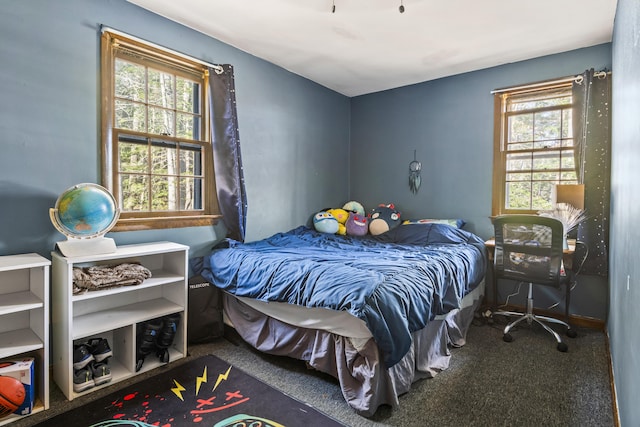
(24, 319)
(114, 314)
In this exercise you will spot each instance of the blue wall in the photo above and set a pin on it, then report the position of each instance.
(306, 147)
(624, 316)
(291, 129)
(449, 122)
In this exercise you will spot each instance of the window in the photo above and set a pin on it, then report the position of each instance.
(156, 158)
(533, 147)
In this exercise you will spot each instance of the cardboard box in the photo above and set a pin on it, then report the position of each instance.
(22, 370)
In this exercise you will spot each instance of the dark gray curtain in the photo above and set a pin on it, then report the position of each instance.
(592, 137)
(227, 160)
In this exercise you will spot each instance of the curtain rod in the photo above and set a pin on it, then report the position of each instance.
(217, 68)
(578, 79)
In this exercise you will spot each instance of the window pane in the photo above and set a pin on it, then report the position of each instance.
(519, 161)
(165, 193)
(130, 81)
(547, 125)
(540, 99)
(187, 95)
(568, 161)
(546, 160)
(567, 128)
(190, 159)
(519, 176)
(130, 115)
(569, 177)
(542, 193)
(518, 195)
(163, 158)
(520, 146)
(133, 157)
(161, 121)
(191, 193)
(161, 91)
(547, 143)
(545, 176)
(134, 194)
(521, 128)
(188, 126)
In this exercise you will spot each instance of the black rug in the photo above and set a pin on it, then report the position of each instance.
(205, 392)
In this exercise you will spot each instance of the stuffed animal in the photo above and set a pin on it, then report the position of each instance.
(354, 207)
(383, 218)
(324, 222)
(356, 225)
(341, 215)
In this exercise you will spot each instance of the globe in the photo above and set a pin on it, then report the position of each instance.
(85, 211)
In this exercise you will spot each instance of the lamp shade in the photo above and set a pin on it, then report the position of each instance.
(572, 194)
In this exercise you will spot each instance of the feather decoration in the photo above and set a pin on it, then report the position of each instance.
(566, 213)
(414, 174)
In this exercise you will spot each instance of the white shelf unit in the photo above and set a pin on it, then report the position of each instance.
(114, 313)
(24, 319)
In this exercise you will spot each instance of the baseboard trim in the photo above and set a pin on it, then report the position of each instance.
(587, 322)
(614, 396)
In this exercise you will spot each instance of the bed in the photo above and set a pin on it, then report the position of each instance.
(375, 312)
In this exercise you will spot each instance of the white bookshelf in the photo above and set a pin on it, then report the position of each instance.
(114, 313)
(24, 319)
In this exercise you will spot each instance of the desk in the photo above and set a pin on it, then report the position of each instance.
(567, 254)
(567, 259)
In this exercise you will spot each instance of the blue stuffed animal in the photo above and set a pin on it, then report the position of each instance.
(383, 218)
(324, 222)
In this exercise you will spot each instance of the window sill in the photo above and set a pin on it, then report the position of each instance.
(137, 224)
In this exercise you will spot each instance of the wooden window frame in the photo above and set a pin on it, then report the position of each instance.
(500, 127)
(178, 65)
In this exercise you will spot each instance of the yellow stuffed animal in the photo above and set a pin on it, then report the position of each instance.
(341, 215)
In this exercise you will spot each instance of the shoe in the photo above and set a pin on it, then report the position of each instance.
(147, 335)
(101, 372)
(81, 356)
(100, 349)
(82, 380)
(166, 335)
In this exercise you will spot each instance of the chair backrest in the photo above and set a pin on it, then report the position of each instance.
(528, 248)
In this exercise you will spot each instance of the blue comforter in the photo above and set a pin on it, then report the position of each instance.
(395, 282)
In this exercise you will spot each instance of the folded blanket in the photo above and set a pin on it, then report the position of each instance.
(100, 277)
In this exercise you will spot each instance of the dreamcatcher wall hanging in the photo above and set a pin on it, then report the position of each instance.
(414, 174)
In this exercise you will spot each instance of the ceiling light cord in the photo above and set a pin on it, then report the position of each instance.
(333, 8)
(401, 8)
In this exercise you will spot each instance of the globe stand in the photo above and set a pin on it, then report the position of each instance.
(81, 247)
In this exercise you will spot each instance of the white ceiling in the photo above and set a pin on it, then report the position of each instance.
(368, 45)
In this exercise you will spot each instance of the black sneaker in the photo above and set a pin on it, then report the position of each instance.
(100, 349)
(82, 380)
(81, 356)
(101, 372)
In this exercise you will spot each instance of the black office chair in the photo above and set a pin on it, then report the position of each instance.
(528, 248)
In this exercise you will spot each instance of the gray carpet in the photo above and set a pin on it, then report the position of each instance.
(489, 383)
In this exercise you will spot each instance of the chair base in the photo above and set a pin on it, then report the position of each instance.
(531, 318)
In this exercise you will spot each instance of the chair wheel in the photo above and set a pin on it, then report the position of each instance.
(562, 347)
(507, 337)
(571, 333)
